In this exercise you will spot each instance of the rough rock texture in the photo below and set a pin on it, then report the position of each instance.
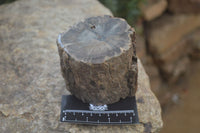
(184, 6)
(152, 9)
(98, 60)
(31, 84)
(167, 43)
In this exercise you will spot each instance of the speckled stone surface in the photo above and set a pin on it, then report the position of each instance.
(31, 84)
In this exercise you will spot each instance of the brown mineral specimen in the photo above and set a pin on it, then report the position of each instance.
(98, 60)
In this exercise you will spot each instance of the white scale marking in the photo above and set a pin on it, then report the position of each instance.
(131, 119)
(105, 112)
(133, 113)
(97, 112)
(97, 121)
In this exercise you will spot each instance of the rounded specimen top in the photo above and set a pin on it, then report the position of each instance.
(96, 39)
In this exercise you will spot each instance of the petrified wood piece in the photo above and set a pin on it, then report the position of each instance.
(98, 60)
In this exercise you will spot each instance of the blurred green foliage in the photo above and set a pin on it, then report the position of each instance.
(5, 1)
(127, 9)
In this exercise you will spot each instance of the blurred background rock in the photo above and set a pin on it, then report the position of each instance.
(168, 44)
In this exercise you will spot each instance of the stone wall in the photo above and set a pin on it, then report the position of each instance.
(171, 40)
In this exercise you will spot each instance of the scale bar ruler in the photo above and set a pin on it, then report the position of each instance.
(74, 110)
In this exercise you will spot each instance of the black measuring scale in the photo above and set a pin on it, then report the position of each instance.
(74, 110)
